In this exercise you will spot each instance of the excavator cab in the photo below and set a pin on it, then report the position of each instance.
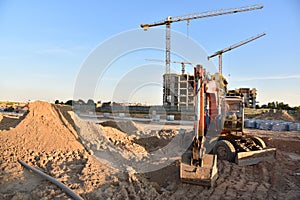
(233, 114)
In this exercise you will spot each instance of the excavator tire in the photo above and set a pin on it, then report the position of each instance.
(225, 150)
(259, 142)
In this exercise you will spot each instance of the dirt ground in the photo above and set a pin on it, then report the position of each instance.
(54, 140)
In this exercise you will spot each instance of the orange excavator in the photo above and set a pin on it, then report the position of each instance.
(218, 132)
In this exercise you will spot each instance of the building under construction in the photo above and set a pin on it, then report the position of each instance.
(178, 91)
(178, 88)
(248, 94)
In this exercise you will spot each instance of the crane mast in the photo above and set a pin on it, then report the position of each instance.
(220, 52)
(168, 47)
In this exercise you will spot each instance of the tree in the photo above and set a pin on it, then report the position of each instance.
(281, 105)
(56, 101)
(90, 102)
(81, 102)
(264, 106)
(69, 102)
(271, 105)
(296, 108)
(276, 105)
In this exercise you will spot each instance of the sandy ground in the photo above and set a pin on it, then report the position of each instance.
(95, 161)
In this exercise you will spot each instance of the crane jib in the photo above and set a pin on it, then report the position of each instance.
(171, 19)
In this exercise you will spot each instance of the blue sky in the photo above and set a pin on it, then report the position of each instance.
(43, 45)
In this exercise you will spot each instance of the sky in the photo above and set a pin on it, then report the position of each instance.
(45, 46)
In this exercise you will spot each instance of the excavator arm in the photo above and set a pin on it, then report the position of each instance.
(198, 167)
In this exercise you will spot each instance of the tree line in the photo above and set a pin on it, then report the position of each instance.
(72, 102)
(270, 105)
(278, 105)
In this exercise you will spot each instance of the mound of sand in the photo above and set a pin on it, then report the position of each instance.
(43, 138)
(297, 116)
(122, 140)
(279, 115)
(43, 129)
(108, 142)
(157, 141)
(127, 126)
(47, 138)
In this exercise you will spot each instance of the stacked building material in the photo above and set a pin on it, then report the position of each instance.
(294, 126)
(258, 123)
(266, 125)
(280, 126)
(250, 123)
(274, 125)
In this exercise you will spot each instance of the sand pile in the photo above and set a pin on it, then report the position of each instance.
(279, 115)
(43, 138)
(132, 152)
(43, 129)
(159, 139)
(109, 143)
(126, 126)
(122, 140)
(297, 116)
(47, 139)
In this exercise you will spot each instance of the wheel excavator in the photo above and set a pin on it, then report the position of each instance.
(218, 132)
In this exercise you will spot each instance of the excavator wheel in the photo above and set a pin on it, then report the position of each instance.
(259, 142)
(225, 150)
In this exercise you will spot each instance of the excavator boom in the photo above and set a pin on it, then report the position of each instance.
(197, 167)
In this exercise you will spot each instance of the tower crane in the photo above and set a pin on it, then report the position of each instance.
(170, 19)
(219, 53)
(183, 63)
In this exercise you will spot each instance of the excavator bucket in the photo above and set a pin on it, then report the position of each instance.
(254, 157)
(205, 174)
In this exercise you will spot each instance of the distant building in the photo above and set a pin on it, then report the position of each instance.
(248, 94)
